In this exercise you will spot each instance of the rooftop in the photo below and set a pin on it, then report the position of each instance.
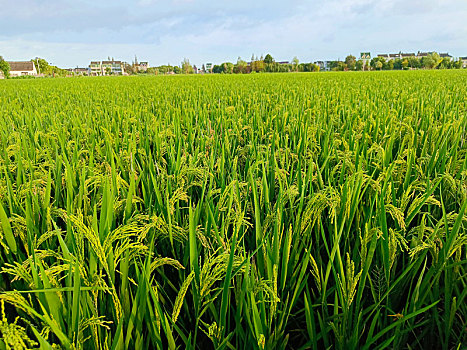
(22, 66)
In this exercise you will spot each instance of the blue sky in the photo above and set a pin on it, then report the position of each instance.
(70, 33)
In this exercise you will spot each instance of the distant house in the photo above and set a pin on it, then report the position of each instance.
(365, 56)
(323, 65)
(78, 71)
(95, 68)
(445, 55)
(143, 66)
(112, 67)
(22, 68)
(383, 55)
(423, 54)
(396, 56)
(283, 62)
(407, 55)
(320, 64)
(106, 68)
(464, 61)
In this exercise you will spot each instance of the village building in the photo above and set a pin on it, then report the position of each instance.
(464, 61)
(95, 68)
(365, 57)
(110, 67)
(323, 65)
(22, 68)
(78, 71)
(143, 66)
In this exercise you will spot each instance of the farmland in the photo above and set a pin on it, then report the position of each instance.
(301, 211)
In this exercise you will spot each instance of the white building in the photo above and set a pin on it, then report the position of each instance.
(106, 68)
(464, 61)
(20, 68)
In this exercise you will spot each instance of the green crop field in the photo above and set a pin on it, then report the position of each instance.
(287, 211)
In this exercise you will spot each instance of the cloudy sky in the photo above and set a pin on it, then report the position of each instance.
(70, 33)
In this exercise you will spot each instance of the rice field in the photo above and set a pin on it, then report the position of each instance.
(287, 211)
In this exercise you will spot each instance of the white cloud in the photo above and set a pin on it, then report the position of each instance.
(72, 33)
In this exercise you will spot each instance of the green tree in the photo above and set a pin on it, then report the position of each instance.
(350, 61)
(457, 64)
(227, 67)
(268, 59)
(379, 65)
(359, 65)
(414, 62)
(186, 66)
(431, 61)
(295, 63)
(405, 63)
(42, 66)
(241, 66)
(4, 67)
(217, 69)
(397, 64)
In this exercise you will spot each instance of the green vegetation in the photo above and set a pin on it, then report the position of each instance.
(305, 211)
(4, 68)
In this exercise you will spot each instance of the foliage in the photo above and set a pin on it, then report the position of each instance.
(234, 212)
(4, 67)
(351, 62)
(187, 67)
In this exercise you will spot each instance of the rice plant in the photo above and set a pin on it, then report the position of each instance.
(302, 211)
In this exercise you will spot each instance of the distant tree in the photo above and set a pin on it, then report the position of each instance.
(414, 62)
(227, 67)
(43, 66)
(177, 70)
(241, 66)
(4, 67)
(457, 64)
(390, 65)
(203, 68)
(152, 71)
(268, 59)
(405, 63)
(359, 65)
(257, 65)
(186, 66)
(295, 63)
(445, 63)
(129, 68)
(217, 69)
(108, 71)
(338, 66)
(375, 65)
(350, 61)
(431, 61)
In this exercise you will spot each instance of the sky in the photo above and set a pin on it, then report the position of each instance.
(70, 33)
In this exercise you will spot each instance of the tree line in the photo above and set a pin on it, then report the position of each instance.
(256, 65)
(270, 65)
(431, 61)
